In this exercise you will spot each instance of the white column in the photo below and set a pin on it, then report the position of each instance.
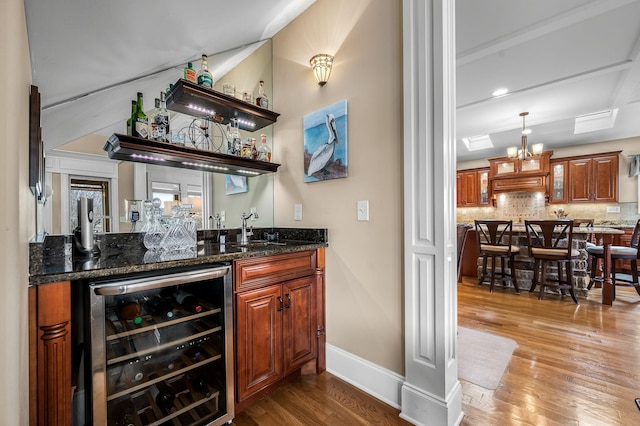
(431, 393)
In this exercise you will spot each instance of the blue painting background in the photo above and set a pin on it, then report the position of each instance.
(316, 133)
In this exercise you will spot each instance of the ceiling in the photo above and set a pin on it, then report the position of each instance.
(559, 59)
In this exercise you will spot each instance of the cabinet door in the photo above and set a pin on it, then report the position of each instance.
(605, 179)
(259, 339)
(483, 187)
(580, 171)
(299, 323)
(466, 186)
(558, 176)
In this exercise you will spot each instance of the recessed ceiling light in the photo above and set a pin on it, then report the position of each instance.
(500, 92)
(476, 143)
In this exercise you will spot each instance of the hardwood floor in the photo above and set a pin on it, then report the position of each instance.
(574, 365)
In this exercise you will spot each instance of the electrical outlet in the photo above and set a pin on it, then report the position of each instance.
(255, 213)
(613, 209)
(297, 212)
(363, 210)
(223, 215)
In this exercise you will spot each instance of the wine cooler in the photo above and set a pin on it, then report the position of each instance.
(161, 349)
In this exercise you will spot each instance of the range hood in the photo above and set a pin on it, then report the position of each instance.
(130, 148)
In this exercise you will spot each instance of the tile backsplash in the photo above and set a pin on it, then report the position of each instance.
(520, 206)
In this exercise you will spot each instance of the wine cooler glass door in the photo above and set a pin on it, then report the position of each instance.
(161, 349)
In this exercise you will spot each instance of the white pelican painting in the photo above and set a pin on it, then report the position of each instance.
(325, 143)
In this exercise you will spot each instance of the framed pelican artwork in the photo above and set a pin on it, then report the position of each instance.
(325, 143)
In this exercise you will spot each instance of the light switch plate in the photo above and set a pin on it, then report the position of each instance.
(613, 209)
(297, 212)
(363, 210)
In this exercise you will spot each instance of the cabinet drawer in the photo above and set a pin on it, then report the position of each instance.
(259, 271)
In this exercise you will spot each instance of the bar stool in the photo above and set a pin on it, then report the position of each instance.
(495, 241)
(588, 223)
(550, 242)
(617, 253)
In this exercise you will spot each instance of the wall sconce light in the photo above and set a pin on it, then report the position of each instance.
(321, 66)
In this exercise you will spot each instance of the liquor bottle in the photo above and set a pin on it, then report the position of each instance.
(153, 129)
(188, 301)
(247, 148)
(123, 412)
(132, 117)
(164, 397)
(204, 77)
(170, 88)
(159, 306)
(264, 153)
(262, 100)
(190, 73)
(129, 310)
(140, 127)
(161, 120)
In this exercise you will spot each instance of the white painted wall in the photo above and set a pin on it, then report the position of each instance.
(17, 214)
(364, 259)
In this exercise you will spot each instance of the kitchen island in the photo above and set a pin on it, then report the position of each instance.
(524, 263)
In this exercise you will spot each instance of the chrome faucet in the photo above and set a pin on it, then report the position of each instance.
(244, 238)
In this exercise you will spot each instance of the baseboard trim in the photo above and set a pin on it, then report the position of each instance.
(377, 381)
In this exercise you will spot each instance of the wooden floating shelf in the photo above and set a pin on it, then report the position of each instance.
(130, 148)
(191, 99)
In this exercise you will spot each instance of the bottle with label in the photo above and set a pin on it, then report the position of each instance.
(264, 153)
(129, 310)
(188, 301)
(190, 73)
(164, 397)
(132, 117)
(204, 77)
(247, 148)
(140, 127)
(161, 120)
(153, 131)
(262, 100)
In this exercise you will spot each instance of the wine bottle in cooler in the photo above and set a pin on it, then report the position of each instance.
(199, 383)
(129, 310)
(159, 306)
(188, 301)
(164, 397)
(123, 413)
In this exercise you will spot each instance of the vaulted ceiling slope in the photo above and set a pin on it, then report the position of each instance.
(559, 59)
(89, 58)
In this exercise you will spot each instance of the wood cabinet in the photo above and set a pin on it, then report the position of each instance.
(472, 188)
(279, 319)
(50, 354)
(593, 179)
(517, 175)
(558, 172)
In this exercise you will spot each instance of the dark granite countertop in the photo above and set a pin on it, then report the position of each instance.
(51, 259)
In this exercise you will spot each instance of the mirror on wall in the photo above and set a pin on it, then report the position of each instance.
(215, 198)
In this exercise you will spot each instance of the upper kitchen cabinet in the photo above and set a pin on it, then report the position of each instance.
(558, 177)
(472, 188)
(593, 178)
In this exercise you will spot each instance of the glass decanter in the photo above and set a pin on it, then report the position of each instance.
(154, 231)
(176, 237)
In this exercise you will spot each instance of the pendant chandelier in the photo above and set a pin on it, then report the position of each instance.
(523, 153)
